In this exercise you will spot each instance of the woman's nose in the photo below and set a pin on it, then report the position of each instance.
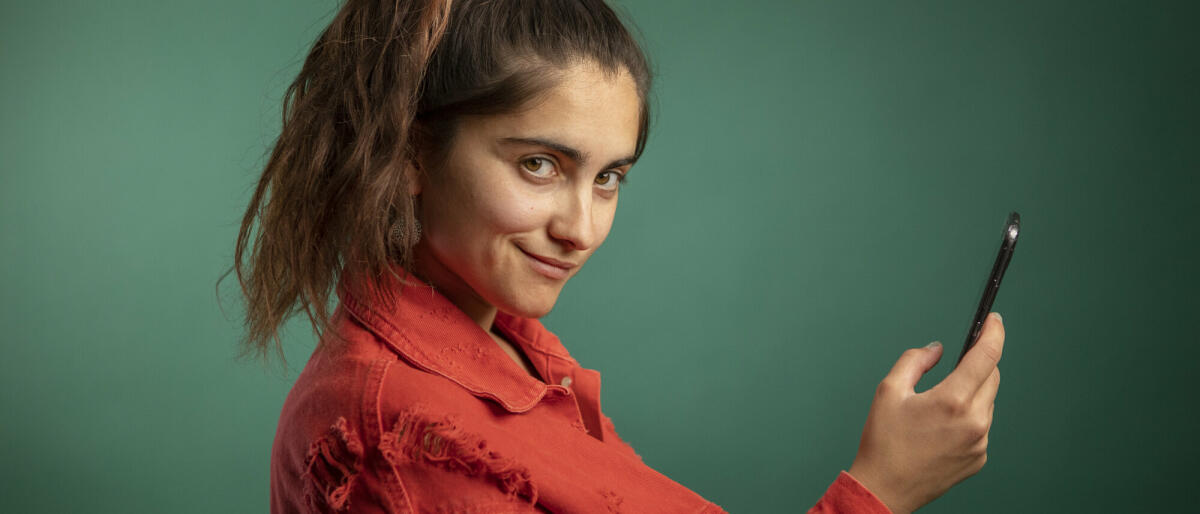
(572, 224)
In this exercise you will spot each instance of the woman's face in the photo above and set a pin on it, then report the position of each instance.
(542, 181)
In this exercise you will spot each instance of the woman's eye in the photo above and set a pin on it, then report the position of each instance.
(536, 165)
(611, 180)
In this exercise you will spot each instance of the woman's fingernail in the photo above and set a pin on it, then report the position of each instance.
(934, 344)
(998, 318)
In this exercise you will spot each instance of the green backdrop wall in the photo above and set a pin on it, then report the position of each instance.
(824, 188)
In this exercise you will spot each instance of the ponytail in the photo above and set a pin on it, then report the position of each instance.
(333, 188)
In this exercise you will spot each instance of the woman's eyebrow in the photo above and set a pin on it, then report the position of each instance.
(571, 153)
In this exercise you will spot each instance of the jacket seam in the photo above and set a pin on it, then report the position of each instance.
(394, 488)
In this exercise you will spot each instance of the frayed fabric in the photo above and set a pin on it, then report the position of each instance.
(612, 501)
(418, 437)
(331, 468)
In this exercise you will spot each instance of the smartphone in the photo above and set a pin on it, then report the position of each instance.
(1008, 242)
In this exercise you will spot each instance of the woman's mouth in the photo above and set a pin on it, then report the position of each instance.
(548, 267)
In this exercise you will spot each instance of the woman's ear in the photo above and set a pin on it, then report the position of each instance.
(413, 176)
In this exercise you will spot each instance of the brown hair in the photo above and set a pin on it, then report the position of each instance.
(384, 79)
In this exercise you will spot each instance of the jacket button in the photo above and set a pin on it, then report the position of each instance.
(566, 382)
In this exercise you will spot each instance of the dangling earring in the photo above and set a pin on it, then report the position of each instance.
(398, 228)
(398, 232)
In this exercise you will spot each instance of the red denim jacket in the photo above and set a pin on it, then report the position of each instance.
(423, 412)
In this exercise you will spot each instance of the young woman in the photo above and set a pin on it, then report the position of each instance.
(445, 168)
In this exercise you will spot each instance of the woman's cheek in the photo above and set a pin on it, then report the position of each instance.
(603, 215)
(516, 211)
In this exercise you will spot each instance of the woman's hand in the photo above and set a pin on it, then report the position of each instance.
(917, 446)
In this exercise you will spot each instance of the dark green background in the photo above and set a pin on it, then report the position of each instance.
(824, 187)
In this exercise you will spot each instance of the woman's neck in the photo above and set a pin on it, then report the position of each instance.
(450, 285)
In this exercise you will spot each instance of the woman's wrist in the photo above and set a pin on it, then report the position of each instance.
(877, 487)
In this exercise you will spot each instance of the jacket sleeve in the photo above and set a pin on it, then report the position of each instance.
(847, 496)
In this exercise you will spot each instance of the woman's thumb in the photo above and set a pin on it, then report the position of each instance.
(914, 363)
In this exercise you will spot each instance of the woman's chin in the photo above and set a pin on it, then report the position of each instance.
(530, 306)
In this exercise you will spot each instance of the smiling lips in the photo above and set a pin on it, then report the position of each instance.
(552, 268)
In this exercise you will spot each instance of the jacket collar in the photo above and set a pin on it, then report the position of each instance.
(433, 334)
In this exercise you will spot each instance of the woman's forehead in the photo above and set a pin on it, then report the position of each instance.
(598, 115)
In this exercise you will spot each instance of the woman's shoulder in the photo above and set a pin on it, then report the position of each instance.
(415, 420)
(358, 415)
(338, 379)
(325, 432)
